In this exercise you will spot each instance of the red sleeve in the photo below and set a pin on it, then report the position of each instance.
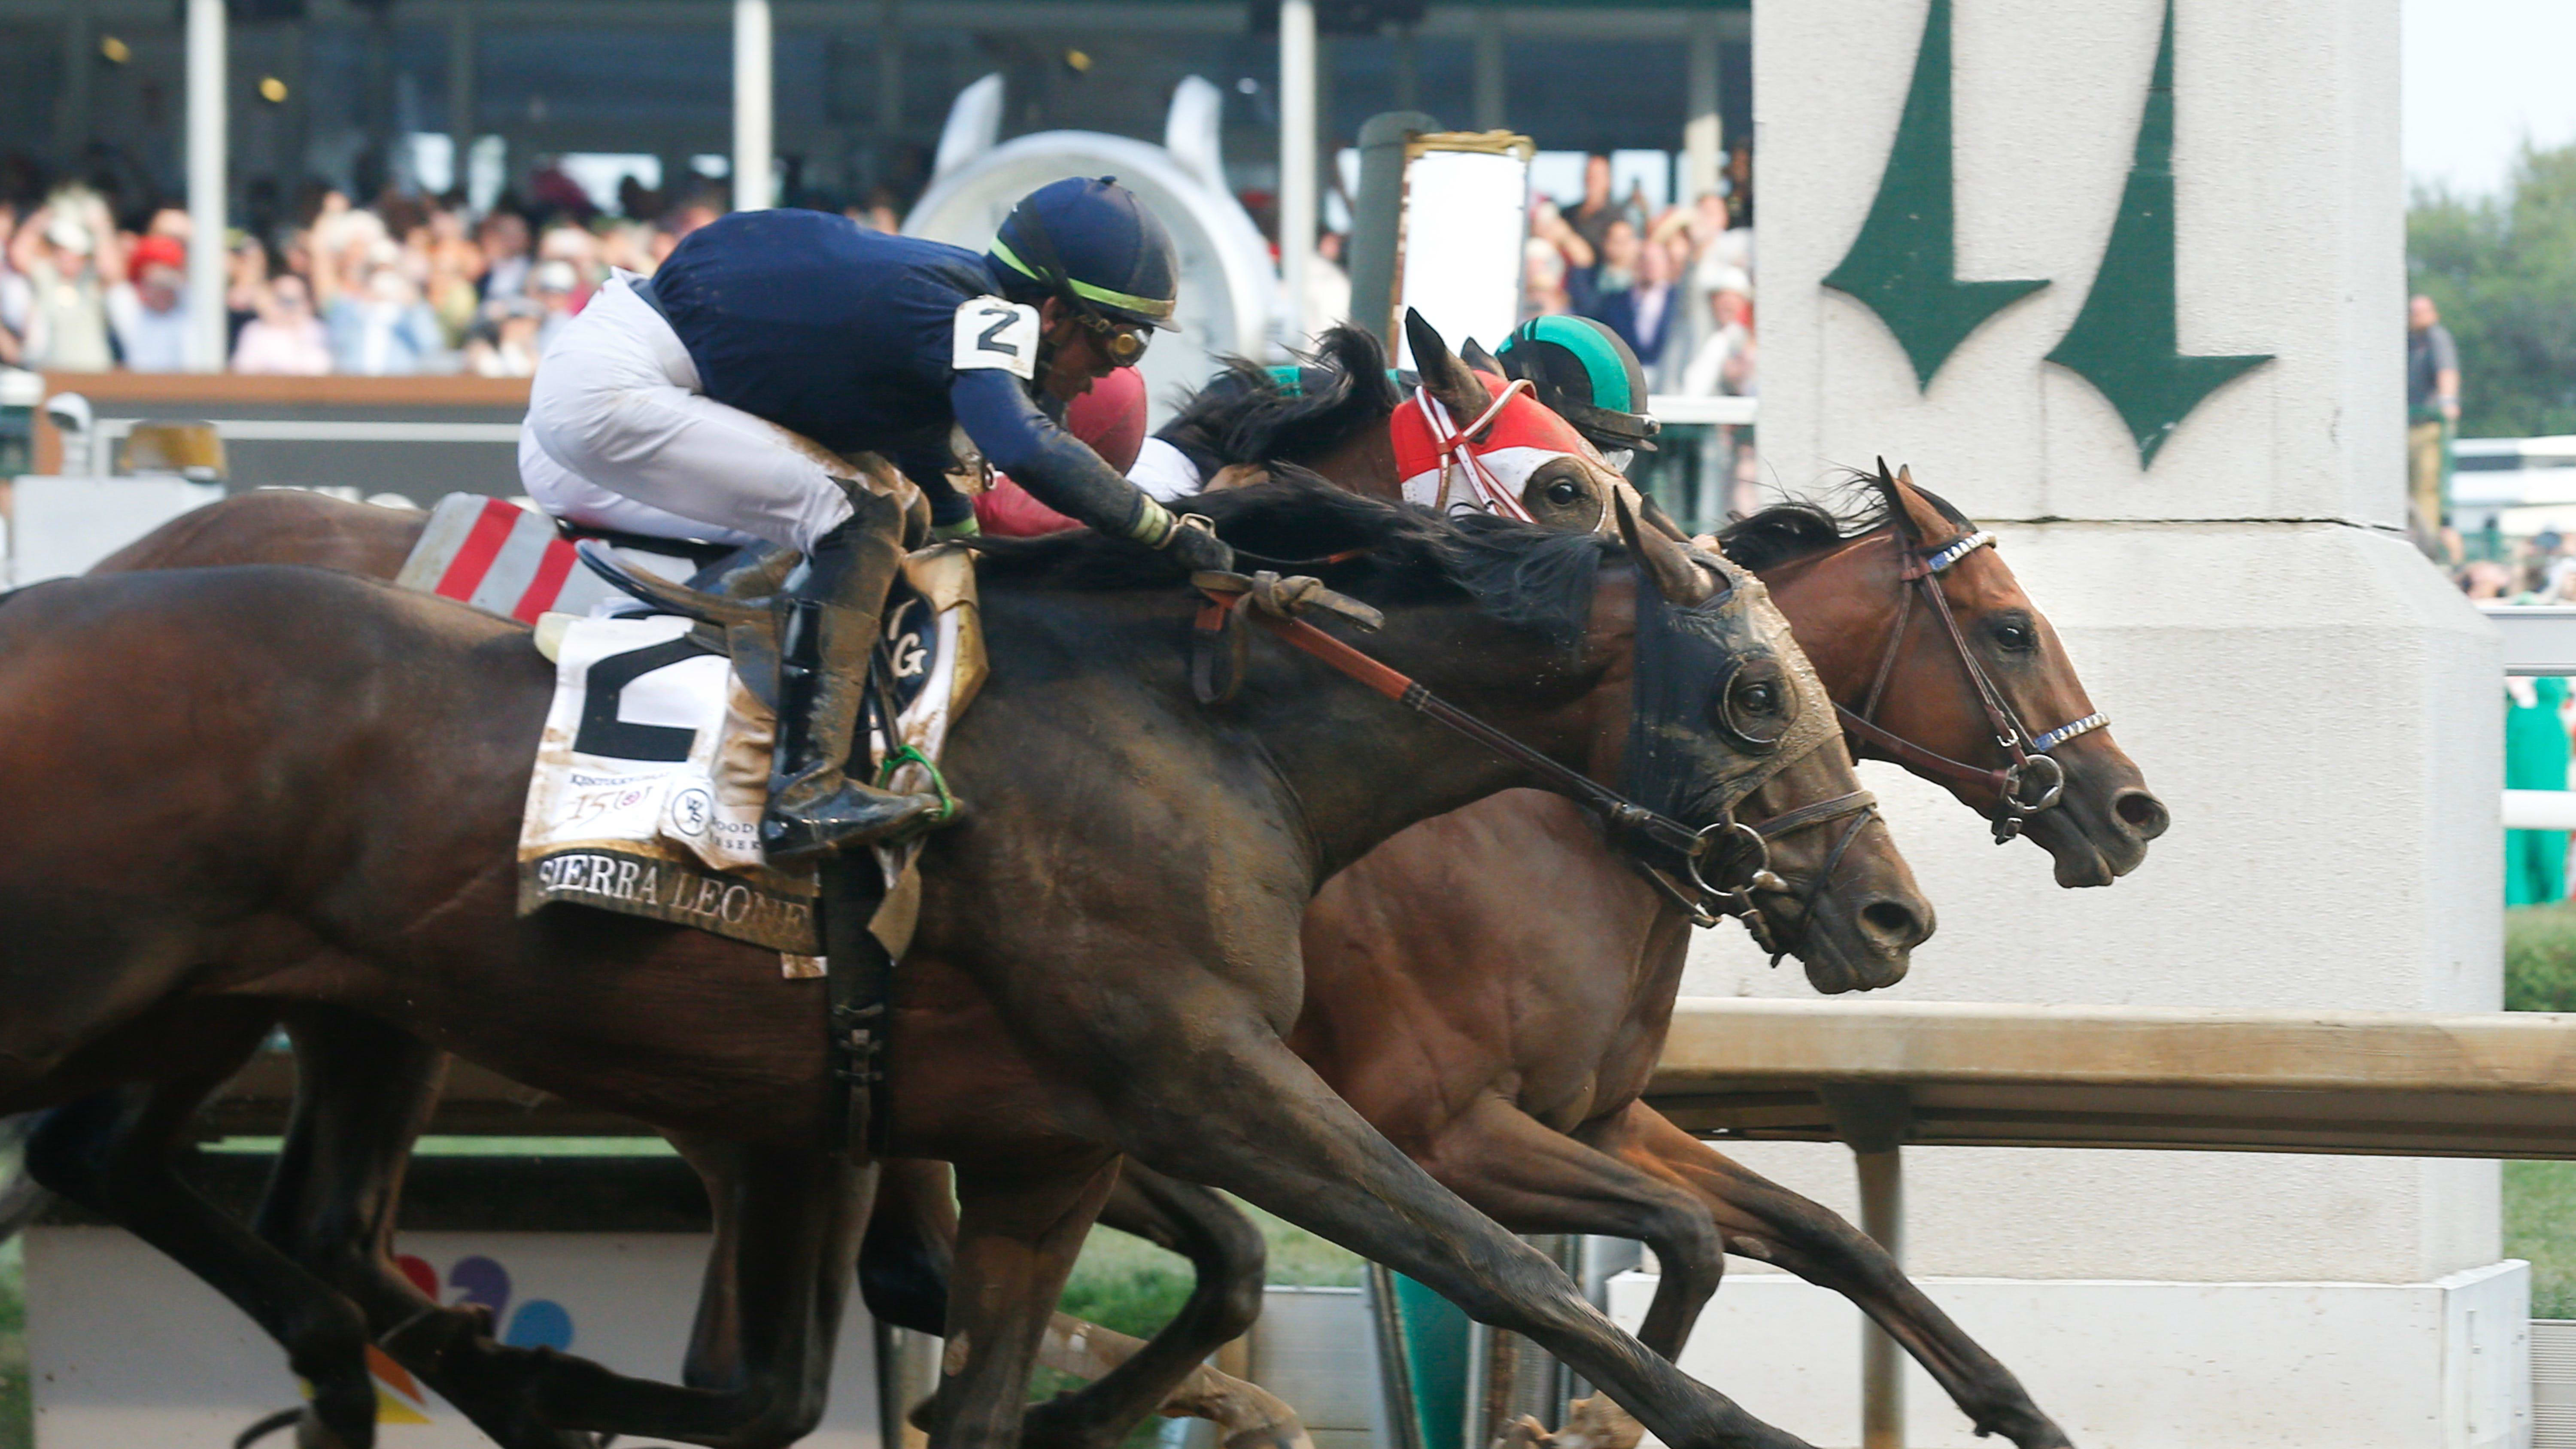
(1110, 418)
(1007, 509)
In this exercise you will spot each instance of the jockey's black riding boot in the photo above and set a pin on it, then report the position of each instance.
(814, 805)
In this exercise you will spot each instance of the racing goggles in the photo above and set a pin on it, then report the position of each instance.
(1122, 345)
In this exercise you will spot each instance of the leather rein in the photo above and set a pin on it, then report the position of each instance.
(2033, 781)
(1738, 855)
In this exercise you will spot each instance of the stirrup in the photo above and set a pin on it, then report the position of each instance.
(673, 598)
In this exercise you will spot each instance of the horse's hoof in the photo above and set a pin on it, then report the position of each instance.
(1593, 1423)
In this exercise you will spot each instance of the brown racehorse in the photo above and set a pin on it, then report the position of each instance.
(1528, 1106)
(315, 785)
(1520, 1090)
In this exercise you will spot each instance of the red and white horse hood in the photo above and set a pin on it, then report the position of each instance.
(1480, 464)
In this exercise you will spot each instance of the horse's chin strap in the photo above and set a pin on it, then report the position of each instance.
(2033, 782)
(1267, 601)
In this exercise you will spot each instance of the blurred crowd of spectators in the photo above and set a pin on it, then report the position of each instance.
(407, 285)
(1676, 283)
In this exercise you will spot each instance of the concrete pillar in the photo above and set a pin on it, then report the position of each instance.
(1491, 81)
(1297, 173)
(2189, 436)
(1703, 140)
(208, 141)
(80, 63)
(753, 154)
(462, 75)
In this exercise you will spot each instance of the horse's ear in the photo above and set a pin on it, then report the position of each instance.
(1473, 353)
(1920, 514)
(1893, 495)
(1457, 386)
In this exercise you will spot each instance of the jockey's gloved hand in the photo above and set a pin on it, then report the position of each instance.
(1193, 545)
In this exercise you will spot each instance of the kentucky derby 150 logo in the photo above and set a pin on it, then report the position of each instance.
(484, 1283)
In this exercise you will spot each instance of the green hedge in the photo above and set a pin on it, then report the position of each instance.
(2540, 958)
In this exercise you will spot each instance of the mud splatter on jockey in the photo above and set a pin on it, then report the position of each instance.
(688, 404)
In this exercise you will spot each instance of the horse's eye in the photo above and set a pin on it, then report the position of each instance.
(1564, 493)
(2015, 637)
(1754, 705)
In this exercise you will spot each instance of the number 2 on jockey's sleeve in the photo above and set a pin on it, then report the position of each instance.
(993, 333)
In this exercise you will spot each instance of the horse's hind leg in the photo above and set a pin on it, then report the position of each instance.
(111, 1153)
(1761, 1219)
(364, 1091)
(1225, 1249)
(1017, 1237)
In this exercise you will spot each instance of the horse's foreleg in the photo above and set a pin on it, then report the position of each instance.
(1017, 1237)
(904, 1260)
(1532, 1178)
(1227, 1104)
(1229, 1256)
(1760, 1219)
(111, 1153)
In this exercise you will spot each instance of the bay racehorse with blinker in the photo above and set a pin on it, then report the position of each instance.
(1547, 1054)
(1521, 1090)
(335, 788)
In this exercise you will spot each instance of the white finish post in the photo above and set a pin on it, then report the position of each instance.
(1491, 78)
(207, 143)
(1297, 179)
(753, 155)
(2204, 495)
(1703, 144)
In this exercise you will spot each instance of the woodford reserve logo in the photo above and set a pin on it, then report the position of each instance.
(1903, 265)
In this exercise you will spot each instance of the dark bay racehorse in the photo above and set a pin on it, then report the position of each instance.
(326, 816)
(1518, 1088)
(1542, 1025)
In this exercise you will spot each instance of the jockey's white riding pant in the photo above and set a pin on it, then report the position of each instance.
(618, 436)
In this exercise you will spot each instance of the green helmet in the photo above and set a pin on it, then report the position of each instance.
(1583, 370)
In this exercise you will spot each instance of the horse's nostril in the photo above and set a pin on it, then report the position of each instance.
(2141, 812)
(1893, 925)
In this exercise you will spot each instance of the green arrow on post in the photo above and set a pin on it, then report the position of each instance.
(2123, 341)
(1904, 264)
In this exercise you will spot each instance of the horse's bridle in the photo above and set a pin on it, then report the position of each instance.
(2033, 782)
(1724, 863)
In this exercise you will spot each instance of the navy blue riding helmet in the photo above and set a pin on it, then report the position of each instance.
(1583, 370)
(1094, 245)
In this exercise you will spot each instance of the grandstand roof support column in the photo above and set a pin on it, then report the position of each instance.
(71, 103)
(1296, 160)
(207, 140)
(752, 152)
(1490, 73)
(1703, 142)
(461, 81)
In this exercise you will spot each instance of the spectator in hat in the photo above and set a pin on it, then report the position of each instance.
(384, 329)
(1723, 365)
(149, 310)
(67, 251)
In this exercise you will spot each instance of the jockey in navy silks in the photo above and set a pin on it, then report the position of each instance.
(680, 406)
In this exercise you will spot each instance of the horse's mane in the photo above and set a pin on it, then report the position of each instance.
(1517, 573)
(1242, 415)
(1786, 532)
